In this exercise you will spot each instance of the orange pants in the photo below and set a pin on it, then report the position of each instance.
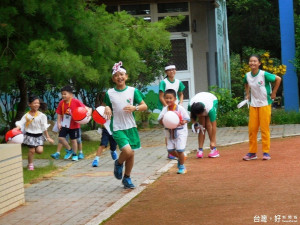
(259, 117)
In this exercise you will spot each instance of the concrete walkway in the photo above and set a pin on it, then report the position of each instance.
(85, 195)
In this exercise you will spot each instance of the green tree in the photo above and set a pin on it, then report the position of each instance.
(47, 44)
(255, 24)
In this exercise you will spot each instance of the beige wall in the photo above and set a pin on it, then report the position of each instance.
(11, 177)
(200, 45)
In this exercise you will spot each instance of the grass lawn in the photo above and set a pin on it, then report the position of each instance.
(89, 147)
(38, 173)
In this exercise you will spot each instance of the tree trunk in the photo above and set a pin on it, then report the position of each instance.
(23, 100)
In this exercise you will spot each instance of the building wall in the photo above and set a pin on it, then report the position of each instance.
(222, 43)
(11, 181)
(200, 43)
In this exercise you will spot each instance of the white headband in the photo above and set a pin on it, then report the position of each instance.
(170, 67)
(117, 68)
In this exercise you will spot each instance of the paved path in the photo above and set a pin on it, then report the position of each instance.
(85, 195)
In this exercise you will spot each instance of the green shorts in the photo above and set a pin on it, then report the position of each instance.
(127, 137)
(213, 112)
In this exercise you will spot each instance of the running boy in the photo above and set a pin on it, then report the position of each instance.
(66, 125)
(176, 138)
(122, 101)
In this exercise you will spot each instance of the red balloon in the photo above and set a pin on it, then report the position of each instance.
(14, 136)
(98, 115)
(79, 113)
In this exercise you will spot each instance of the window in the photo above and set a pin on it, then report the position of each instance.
(136, 9)
(112, 8)
(147, 18)
(186, 91)
(179, 55)
(172, 7)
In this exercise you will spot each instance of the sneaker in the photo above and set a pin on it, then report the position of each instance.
(170, 156)
(127, 183)
(95, 163)
(250, 156)
(114, 155)
(74, 157)
(200, 154)
(118, 170)
(30, 166)
(214, 153)
(56, 155)
(266, 156)
(80, 156)
(68, 154)
(181, 169)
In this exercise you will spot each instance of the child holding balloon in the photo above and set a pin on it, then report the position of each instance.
(122, 101)
(35, 125)
(65, 122)
(170, 82)
(176, 132)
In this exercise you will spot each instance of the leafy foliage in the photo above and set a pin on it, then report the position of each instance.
(234, 118)
(297, 36)
(279, 116)
(254, 23)
(48, 44)
(226, 102)
(272, 65)
(237, 85)
(239, 67)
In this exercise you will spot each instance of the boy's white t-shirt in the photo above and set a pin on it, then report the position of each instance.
(260, 88)
(117, 100)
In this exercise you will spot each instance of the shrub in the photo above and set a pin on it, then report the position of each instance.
(237, 84)
(279, 116)
(226, 101)
(234, 118)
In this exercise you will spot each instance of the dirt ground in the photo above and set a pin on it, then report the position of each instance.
(224, 191)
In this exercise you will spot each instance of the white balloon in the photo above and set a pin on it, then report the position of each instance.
(101, 110)
(85, 120)
(170, 120)
(18, 139)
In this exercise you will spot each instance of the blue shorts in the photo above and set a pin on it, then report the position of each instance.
(73, 133)
(106, 137)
